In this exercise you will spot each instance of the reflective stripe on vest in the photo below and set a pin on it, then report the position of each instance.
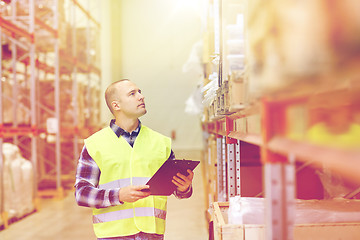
(119, 183)
(129, 213)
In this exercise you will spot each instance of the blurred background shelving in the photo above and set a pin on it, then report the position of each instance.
(281, 111)
(50, 90)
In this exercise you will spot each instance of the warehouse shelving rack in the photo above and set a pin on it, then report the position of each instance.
(43, 45)
(229, 135)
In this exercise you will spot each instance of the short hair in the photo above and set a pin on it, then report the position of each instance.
(110, 93)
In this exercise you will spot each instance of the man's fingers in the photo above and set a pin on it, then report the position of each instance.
(141, 187)
(183, 182)
(141, 191)
(186, 178)
(179, 180)
(178, 184)
(133, 193)
(191, 174)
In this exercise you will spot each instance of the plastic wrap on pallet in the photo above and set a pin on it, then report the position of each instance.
(193, 64)
(193, 104)
(18, 182)
(210, 89)
(335, 185)
(248, 210)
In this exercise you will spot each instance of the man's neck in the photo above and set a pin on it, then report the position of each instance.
(128, 125)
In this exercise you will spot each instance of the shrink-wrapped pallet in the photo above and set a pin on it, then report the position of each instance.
(18, 182)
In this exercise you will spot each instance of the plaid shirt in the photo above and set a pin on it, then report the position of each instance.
(87, 192)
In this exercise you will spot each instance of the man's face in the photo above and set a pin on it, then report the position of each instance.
(130, 100)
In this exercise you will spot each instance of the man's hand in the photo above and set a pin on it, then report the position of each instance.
(183, 182)
(133, 193)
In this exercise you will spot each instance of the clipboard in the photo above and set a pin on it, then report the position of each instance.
(161, 182)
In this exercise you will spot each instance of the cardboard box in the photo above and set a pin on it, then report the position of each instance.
(236, 95)
(230, 96)
(254, 124)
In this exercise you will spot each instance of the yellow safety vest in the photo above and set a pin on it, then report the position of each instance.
(122, 165)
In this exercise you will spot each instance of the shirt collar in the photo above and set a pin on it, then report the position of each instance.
(121, 132)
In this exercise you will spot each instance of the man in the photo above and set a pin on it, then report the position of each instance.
(116, 163)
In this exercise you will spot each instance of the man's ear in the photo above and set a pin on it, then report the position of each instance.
(115, 105)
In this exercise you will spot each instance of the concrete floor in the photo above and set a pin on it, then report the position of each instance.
(63, 219)
(186, 218)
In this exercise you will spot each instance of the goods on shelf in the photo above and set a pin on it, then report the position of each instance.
(298, 90)
(327, 118)
(22, 109)
(233, 91)
(234, 41)
(209, 91)
(300, 42)
(94, 107)
(253, 124)
(250, 210)
(332, 119)
(231, 97)
(227, 98)
(223, 230)
(18, 182)
(47, 97)
(321, 133)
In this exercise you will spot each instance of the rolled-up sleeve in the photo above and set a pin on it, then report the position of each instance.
(185, 194)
